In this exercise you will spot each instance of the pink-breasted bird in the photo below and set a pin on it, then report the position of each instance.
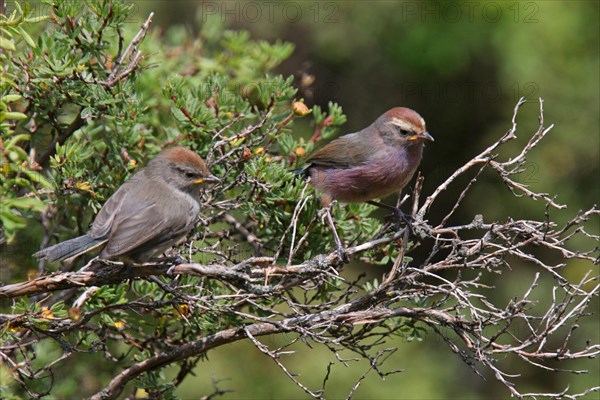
(375, 162)
(149, 213)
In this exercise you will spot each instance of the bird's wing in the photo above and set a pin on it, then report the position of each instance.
(148, 227)
(344, 152)
(104, 221)
(132, 219)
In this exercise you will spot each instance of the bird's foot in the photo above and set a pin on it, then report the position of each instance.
(324, 212)
(398, 217)
(175, 260)
(325, 215)
(342, 254)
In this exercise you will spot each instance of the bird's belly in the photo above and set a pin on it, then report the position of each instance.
(363, 183)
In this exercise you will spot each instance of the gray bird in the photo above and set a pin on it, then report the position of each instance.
(148, 214)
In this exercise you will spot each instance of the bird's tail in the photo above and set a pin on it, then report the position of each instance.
(69, 248)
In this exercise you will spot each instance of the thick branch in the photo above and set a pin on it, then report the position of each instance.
(200, 346)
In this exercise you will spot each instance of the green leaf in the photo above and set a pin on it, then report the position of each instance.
(7, 44)
(37, 19)
(26, 37)
(9, 98)
(12, 115)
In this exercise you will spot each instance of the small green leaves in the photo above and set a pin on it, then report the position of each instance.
(372, 286)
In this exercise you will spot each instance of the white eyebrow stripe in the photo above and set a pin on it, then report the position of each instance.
(402, 124)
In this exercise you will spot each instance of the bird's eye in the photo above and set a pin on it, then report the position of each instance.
(183, 171)
(404, 132)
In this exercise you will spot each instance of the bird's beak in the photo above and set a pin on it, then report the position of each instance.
(422, 136)
(427, 136)
(207, 179)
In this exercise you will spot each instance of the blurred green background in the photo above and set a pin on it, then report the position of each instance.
(462, 66)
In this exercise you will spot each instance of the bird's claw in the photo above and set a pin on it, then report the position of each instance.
(325, 214)
(322, 213)
(342, 255)
(399, 217)
(175, 260)
(171, 269)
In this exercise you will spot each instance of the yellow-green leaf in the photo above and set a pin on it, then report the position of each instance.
(14, 115)
(7, 43)
(9, 98)
(26, 37)
(37, 19)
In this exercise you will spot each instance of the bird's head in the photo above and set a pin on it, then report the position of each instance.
(182, 169)
(402, 126)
